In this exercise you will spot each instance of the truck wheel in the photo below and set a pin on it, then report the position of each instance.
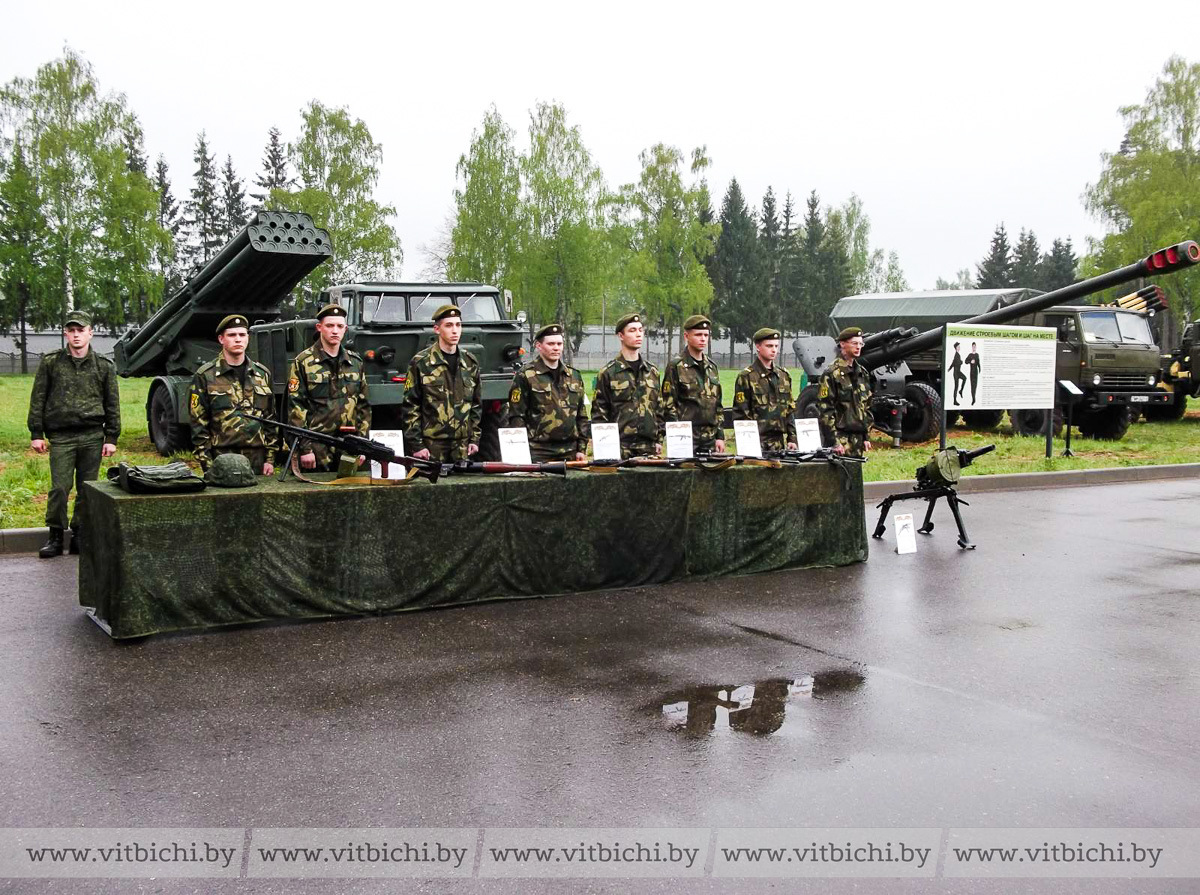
(1108, 423)
(922, 412)
(489, 436)
(1033, 422)
(167, 434)
(982, 420)
(1167, 412)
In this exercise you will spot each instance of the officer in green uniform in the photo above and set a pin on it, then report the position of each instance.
(844, 398)
(443, 409)
(225, 394)
(327, 389)
(763, 392)
(548, 400)
(691, 388)
(628, 394)
(76, 407)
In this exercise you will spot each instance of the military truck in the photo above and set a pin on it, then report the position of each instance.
(1179, 376)
(1106, 351)
(386, 323)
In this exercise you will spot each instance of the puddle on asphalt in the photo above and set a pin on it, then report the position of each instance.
(759, 708)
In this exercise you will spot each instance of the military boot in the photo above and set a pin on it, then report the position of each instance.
(73, 546)
(54, 546)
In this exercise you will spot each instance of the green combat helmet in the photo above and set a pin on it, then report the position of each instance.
(230, 471)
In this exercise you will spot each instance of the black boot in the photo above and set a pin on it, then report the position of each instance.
(52, 547)
(73, 546)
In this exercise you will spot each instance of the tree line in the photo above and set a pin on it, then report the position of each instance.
(1022, 267)
(542, 221)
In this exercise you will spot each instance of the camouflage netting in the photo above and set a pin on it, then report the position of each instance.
(155, 563)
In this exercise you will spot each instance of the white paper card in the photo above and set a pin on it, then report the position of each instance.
(808, 435)
(393, 438)
(679, 440)
(745, 432)
(906, 533)
(606, 441)
(514, 445)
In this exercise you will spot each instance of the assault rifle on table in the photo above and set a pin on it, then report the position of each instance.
(824, 453)
(702, 460)
(356, 446)
(935, 479)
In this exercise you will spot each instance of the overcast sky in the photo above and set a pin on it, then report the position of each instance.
(946, 119)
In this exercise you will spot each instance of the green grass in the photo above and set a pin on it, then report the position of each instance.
(25, 476)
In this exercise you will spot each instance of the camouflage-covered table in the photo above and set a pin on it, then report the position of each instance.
(290, 551)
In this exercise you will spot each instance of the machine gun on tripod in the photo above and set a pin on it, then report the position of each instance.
(935, 479)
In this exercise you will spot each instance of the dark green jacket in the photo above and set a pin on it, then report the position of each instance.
(73, 395)
(691, 391)
(549, 404)
(437, 408)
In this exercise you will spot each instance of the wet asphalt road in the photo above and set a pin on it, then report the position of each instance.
(1045, 680)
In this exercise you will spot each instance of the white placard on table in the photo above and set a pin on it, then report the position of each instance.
(514, 445)
(745, 433)
(906, 533)
(393, 438)
(679, 440)
(808, 434)
(606, 441)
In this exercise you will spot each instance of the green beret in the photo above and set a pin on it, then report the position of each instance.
(850, 332)
(446, 311)
(626, 320)
(232, 320)
(78, 318)
(766, 333)
(550, 329)
(331, 310)
(697, 321)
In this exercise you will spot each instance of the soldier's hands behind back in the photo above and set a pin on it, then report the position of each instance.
(39, 445)
(108, 450)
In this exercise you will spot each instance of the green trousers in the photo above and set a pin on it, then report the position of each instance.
(74, 459)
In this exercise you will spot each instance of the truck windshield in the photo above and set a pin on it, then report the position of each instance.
(384, 309)
(1116, 326)
(474, 307)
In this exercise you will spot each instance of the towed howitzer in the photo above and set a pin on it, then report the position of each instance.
(357, 446)
(904, 404)
(935, 479)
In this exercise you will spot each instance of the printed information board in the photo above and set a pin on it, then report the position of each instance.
(999, 367)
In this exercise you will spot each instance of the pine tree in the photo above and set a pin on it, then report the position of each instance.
(812, 317)
(835, 269)
(1026, 260)
(274, 173)
(135, 152)
(232, 216)
(1058, 267)
(202, 212)
(995, 271)
(772, 245)
(166, 261)
(790, 274)
(737, 265)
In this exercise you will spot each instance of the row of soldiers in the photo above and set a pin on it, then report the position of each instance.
(442, 410)
(74, 408)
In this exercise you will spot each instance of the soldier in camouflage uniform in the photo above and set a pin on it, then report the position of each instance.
(691, 388)
(548, 400)
(75, 405)
(628, 394)
(443, 407)
(223, 392)
(844, 398)
(764, 393)
(327, 389)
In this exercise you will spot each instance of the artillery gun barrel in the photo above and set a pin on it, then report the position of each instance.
(889, 335)
(1168, 260)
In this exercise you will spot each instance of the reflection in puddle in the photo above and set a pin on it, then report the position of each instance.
(757, 708)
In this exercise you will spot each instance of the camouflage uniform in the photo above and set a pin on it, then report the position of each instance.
(844, 405)
(216, 402)
(691, 390)
(75, 406)
(633, 401)
(441, 414)
(766, 395)
(549, 404)
(325, 393)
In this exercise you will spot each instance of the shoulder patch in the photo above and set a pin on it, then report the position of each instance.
(739, 398)
(293, 385)
(515, 396)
